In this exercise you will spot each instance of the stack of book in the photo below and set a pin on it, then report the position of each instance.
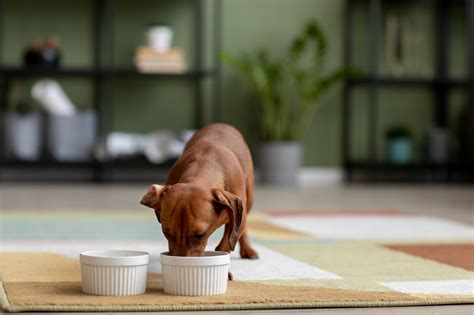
(148, 60)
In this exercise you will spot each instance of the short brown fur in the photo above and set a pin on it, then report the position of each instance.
(211, 184)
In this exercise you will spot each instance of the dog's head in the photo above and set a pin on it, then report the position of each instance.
(189, 214)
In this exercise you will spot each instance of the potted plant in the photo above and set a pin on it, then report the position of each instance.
(399, 145)
(289, 90)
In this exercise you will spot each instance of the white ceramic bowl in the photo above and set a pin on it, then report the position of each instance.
(205, 275)
(114, 272)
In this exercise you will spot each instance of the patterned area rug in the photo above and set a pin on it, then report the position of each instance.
(308, 259)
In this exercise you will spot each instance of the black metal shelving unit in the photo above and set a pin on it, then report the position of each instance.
(372, 169)
(103, 74)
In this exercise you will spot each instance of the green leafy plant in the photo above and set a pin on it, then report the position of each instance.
(397, 132)
(289, 89)
(26, 106)
(20, 101)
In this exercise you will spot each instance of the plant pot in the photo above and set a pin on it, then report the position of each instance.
(23, 135)
(438, 145)
(71, 138)
(399, 150)
(280, 162)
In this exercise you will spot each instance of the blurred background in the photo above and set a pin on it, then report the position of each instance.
(355, 91)
(354, 110)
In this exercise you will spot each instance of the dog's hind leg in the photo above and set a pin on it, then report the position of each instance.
(246, 250)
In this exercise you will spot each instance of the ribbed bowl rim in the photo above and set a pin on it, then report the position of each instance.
(114, 258)
(210, 258)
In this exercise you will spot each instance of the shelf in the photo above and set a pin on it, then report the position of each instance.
(413, 172)
(132, 73)
(101, 75)
(31, 72)
(45, 163)
(86, 72)
(138, 162)
(450, 2)
(414, 165)
(440, 85)
(406, 81)
(123, 170)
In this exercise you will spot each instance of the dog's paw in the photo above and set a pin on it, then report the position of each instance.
(248, 253)
(223, 248)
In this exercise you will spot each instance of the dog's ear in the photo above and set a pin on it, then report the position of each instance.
(233, 206)
(152, 198)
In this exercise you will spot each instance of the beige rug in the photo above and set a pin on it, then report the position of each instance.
(50, 282)
(365, 259)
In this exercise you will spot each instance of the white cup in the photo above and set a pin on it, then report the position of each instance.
(159, 37)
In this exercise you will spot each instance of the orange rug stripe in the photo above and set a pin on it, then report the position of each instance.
(459, 255)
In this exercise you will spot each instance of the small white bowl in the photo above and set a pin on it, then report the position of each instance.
(114, 272)
(205, 275)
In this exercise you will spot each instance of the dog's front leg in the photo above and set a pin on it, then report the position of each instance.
(224, 246)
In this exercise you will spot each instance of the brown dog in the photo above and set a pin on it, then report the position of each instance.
(211, 184)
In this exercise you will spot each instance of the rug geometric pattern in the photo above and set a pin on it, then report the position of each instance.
(307, 259)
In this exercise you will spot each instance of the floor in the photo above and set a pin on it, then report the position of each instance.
(451, 202)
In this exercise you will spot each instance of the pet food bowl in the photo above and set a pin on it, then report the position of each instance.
(204, 275)
(114, 272)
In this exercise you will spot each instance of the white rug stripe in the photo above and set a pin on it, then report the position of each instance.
(270, 266)
(72, 249)
(377, 228)
(463, 287)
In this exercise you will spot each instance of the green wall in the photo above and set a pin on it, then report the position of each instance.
(248, 25)
(272, 24)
